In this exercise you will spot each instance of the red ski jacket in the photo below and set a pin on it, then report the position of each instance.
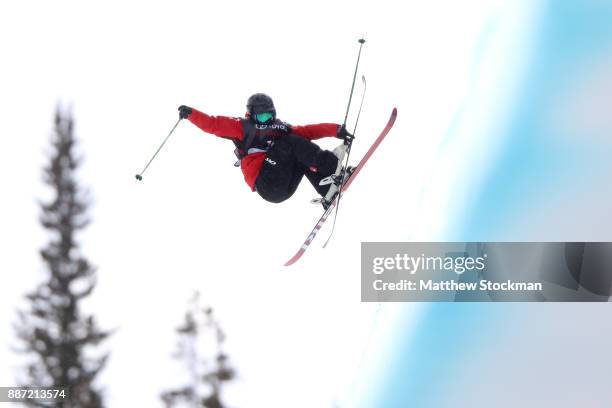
(231, 128)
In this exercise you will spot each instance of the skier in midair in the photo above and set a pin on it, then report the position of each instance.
(274, 156)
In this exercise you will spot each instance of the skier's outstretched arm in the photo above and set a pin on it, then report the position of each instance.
(222, 126)
(321, 130)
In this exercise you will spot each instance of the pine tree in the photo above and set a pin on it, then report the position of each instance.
(55, 333)
(207, 377)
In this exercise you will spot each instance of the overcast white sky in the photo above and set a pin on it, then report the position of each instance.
(296, 336)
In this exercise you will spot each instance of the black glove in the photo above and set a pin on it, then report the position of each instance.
(184, 111)
(344, 134)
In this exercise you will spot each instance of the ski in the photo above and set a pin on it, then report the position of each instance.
(346, 185)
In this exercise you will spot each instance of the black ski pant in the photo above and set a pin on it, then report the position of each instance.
(289, 159)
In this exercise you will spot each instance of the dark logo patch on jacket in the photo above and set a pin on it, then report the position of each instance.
(259, 136)
(283, 127)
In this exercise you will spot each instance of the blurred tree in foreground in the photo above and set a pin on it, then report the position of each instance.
(54, 331)
(206, 376)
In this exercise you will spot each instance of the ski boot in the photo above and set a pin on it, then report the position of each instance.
(336, 182)
(339, 152)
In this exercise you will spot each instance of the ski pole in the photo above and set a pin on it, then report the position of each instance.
(348, 155)
(139, 175)
(349, 143)
(361, 42)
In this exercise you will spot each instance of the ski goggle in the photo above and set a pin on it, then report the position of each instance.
(263, 117)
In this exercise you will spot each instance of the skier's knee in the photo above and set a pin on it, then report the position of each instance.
(326, 162)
